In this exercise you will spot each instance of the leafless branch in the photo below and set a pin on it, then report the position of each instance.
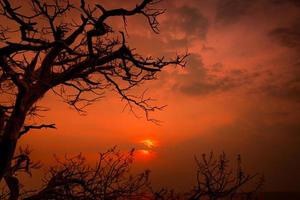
(216, 180)
(108, 179)
(30, 127)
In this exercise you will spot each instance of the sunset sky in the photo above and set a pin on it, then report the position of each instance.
(239, 93)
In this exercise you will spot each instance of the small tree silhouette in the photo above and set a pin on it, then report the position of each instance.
(217, 180)
(109, 179)
(166, 194)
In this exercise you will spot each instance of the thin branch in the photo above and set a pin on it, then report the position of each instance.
(30, 127)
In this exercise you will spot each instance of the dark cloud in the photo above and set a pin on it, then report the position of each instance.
(217, 67)
(286, 86)
(192, 21)
(177, 43)
(230, 11)
(204, 87)
(201, 80)
(188, 20)
(290, 90)
(287, 36)
(196, 66)
(179, 26)
(280, 2)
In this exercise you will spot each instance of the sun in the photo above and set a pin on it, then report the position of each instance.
(149, 143)
(145, 152)
(145, 155)
(147, 149)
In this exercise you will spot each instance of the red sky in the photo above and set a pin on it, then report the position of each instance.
(240, 92)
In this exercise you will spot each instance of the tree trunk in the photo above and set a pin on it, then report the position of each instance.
(8, 143)
(10, 131)
(13, 185)
(9, 139)
(7, 150)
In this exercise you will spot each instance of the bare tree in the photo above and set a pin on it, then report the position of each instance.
(165, 194)
(43, 49)
(216, 179)
(109, 179)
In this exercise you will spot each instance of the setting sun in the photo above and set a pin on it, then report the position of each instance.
(145, 152)
(145, 155)
(149, 143)
(147, 149)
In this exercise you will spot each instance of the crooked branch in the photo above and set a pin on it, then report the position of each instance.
(28, 128)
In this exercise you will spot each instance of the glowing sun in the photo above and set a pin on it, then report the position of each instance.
(149, 143)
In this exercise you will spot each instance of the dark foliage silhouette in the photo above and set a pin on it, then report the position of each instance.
(72, 178)
(216, 179)
(111, 178)
(21, 163)
(44, 49)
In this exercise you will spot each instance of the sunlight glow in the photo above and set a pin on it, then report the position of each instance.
(145, 155)
(149, 143)
(145, 152)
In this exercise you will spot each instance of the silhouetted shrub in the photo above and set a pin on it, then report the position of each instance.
(111, 179)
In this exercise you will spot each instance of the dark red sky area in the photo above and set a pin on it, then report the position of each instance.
(240, 93)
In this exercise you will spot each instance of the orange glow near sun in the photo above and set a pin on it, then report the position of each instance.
(149, 143)
(147, 152)
(145, 155)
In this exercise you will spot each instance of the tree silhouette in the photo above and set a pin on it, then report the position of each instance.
(21, 163)
(111, 178)
(216, 179)
(73, 178)
(46, 48)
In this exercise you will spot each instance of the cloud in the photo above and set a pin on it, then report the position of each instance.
(230, 11)
(283, 83)
(280, 2)
(202, 80)
(185, 24)
(180, 26)
(288, 36)
(191, 21)
(204, 87)
(289, 90)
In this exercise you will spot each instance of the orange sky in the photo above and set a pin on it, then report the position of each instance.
(240, 93)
